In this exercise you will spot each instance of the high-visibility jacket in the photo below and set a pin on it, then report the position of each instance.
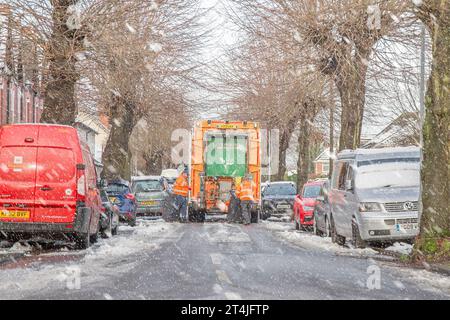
(247, 190)
(181, 186)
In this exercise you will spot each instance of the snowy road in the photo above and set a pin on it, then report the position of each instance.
(157, 260)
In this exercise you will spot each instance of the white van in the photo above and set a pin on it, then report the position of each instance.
(374, 195)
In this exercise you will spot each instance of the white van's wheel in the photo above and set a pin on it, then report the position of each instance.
(358, 242)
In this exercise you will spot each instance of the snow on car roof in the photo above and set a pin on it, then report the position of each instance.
(143, 178)
(379, 153)
(280, 182)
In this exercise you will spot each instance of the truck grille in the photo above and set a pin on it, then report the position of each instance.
(402, 206)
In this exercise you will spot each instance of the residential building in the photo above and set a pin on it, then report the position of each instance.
(322, 164)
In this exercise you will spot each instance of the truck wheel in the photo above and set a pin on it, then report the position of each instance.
(193, 215)
(358, 242)
(132, 222)
(201, 216)
(255, 216)
(82, 241)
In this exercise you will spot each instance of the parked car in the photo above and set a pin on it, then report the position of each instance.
(110, 216)
(278, 199)
(374, 195)
(322, 212)
(48, 184)
(148, 191)
(119, 193)
(304, 204)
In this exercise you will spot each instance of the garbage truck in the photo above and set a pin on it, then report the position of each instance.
(222, 154)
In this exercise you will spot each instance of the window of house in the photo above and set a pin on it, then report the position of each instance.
(326, 167)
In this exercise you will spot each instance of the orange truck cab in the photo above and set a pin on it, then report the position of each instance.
(48, 184)
(222, 154)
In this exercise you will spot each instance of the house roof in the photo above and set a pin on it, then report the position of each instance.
(403, 131)
(324, 156)
(82, 125)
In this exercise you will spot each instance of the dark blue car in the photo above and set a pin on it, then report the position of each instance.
(119, 193)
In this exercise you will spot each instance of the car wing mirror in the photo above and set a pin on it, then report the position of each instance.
(320, 199)
(348, 185)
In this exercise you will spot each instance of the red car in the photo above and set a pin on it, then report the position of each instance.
(304, 204)
(48, 184)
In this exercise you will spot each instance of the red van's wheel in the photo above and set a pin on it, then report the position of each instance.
(83, 241)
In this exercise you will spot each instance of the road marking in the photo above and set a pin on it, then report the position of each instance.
(232, 296)
(222, 276)
(216, 258)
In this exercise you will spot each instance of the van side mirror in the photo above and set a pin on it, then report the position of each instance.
(348, 185)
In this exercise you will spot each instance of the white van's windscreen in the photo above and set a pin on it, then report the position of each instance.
(387, 175)
(391, 160)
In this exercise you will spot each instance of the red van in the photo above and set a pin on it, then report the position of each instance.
(48, 184)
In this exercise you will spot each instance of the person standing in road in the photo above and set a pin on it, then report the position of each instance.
(234, 206)
(181, 190)
(246, 193)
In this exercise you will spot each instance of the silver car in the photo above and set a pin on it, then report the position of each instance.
(149, 194)
(374, 195)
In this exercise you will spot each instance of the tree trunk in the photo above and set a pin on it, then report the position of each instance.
(116, 157)
(59, 98)
(284, 145)
(351, 84)
(435, 218)
(303, 152)
(154, 162)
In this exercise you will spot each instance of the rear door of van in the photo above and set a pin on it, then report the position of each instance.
(17, 181)
(55, 185)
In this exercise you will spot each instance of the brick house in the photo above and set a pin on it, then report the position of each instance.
(19, 103)
(322, 164)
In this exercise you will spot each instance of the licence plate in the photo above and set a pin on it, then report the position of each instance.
(113, 199)
(407, 226)
(149, 203)
(14, 214)
(283, 206)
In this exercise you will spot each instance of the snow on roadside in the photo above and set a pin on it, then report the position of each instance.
(401, 248)
(426, 280)
(105, 258)
(309, 241)
(16, 248)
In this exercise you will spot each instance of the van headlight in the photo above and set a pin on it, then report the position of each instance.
(369, 207)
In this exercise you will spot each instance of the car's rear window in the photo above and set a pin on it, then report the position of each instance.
(117, 189)
(146, 186)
